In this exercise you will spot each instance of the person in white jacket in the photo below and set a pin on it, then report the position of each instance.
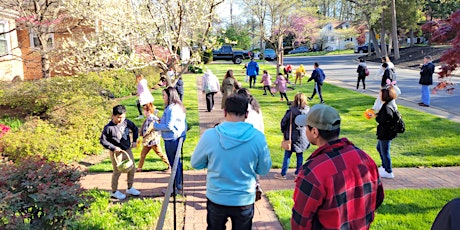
(143, 94)
(210, 87)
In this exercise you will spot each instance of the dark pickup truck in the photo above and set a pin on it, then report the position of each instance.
(227, 53)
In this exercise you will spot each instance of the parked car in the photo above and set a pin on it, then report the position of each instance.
(269, 55)
(301, 49)
(227, 53)
(364, 48)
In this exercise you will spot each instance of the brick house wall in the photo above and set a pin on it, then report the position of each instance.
(32, 60)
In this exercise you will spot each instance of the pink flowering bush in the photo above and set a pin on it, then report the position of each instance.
(4, 129)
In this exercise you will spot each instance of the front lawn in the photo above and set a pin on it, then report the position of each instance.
(402, 208)
(428, 140)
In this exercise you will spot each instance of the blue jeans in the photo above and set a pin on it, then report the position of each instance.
(217, 215)
(171, 148)
(426, 94)
(287, 159)
(383, 147)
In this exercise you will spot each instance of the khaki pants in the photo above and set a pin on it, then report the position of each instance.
(298, 76)
(116, 174)
(146, 150)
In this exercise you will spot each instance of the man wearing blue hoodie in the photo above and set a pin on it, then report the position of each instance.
(252, 71)
(234, 152)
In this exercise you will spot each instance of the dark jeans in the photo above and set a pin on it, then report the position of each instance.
(284, 95)
(139, 108)
(363, 79)
(252, 81)
(241, 216)
(383, 147)
(317, 89)
(267, 87)
(287, 159)
(210, 101)
(171, 148)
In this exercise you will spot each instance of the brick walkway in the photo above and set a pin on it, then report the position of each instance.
(151, 183)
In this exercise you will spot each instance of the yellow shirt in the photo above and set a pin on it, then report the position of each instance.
(301, 69)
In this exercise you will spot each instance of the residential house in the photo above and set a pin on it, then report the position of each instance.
(18, 46)
(332, 37)
(10, 55)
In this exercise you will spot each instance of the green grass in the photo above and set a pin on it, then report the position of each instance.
(402, 209)
(428, 140)
(11, 122)
(132, 214)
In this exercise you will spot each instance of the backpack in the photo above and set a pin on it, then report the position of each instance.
(398, 126)
(366, 71)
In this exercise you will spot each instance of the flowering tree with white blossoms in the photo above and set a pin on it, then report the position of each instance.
(134, 34)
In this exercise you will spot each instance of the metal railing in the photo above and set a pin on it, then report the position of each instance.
(170, 190)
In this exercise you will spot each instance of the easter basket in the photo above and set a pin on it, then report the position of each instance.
(126, 164)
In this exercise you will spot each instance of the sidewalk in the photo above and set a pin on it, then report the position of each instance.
(151, 183)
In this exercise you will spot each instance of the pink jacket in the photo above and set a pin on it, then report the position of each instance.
(281, 83)
(266, 79)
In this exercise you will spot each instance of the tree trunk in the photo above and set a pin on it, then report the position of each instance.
(412, 38)
(373, 39)
(383, 45)
(279, 54)
(390, 45)
(395, 29)
(45, 63)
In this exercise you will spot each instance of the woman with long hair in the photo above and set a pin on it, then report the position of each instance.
(229, 86)
(254, 112)
(173, 126)
(386, 119)
(299, 140)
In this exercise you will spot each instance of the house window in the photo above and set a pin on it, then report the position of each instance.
(3, 39)
(35, 43)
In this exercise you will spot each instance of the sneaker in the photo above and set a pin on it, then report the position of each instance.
(139, 117)
(118, 195)
(309, 98)
(386, 174)
(279, 176)
(322, 102)
(264, 94)
(381, 169)
(364, 90)
(133, 191)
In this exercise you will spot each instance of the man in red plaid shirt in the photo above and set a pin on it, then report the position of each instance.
(338, 187)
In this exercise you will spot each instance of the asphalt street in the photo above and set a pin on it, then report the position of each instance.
(341, 70)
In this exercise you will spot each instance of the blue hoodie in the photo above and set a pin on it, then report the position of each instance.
(233, 152)
(252, 69)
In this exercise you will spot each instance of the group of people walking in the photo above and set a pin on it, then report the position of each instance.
(338, 186)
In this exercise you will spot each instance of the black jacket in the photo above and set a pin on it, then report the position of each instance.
(361, 71)
(385, 119)
(426, 74)
(386, 75)
(299, 141)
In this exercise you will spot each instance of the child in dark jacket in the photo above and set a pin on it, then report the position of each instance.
(115, 137)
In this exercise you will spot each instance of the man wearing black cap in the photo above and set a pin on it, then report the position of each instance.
(338, 187)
